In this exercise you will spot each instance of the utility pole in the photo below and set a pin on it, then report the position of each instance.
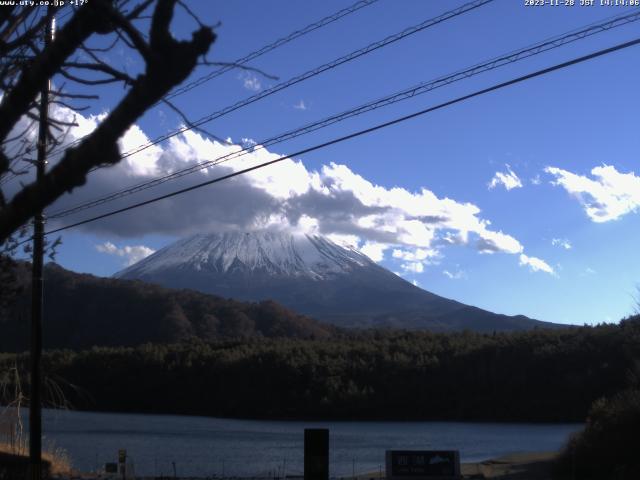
(35, 405)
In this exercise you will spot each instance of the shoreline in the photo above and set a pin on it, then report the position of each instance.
(521, 466)
(294, 419)
(514, 466)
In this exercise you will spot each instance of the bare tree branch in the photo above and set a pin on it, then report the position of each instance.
(168, 63)
(191, 125)
(89, 19)
(136, 12)
(137, 40)
(61, 94)
(100, 66)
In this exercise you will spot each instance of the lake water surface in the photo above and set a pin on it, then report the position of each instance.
(202, 446)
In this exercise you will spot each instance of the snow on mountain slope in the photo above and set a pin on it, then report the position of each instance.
(273, 253)
(311, 275)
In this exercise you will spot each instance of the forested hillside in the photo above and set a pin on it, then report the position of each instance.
(541, 375)
(81, 311)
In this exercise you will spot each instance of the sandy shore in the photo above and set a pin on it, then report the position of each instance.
(520, 466)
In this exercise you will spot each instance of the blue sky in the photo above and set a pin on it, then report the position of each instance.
(575, 228)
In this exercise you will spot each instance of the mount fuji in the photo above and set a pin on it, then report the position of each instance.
(313, 276)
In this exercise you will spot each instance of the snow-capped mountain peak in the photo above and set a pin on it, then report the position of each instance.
(268, 252)
(311, 275)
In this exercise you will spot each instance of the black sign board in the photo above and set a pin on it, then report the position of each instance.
(316, 454)
(427, 464)
(111, 468)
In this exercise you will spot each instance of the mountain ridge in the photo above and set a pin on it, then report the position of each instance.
(82, 310)
(314, 276)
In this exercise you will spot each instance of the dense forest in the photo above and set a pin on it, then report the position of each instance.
(127, 313)
(540, 375)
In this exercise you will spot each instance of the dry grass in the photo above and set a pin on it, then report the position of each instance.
(13, 440)
(13, 437)
(57, 457)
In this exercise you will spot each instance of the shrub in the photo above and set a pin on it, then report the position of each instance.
(607, 447)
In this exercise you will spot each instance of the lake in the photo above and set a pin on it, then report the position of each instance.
(202, 446)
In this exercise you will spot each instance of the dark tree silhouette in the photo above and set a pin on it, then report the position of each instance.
(26, 64)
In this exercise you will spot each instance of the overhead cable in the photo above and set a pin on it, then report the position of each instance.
(359, 133)
(505, 59)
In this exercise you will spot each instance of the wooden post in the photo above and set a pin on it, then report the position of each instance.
(35, 404)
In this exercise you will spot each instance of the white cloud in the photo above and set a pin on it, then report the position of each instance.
(536, 264)
(562, 243)
(248, 143)
(374, 250)
(457, 275)
(508, 179)
(300, 105)
(413, 267)
(416, 226)
(415, 283)
(251, 82)
(492, 242)
(608, 196)
(131, 254)
(417, 254)
(536, 180)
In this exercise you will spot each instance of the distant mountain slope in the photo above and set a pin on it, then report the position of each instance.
(82, 310)
(314, 276)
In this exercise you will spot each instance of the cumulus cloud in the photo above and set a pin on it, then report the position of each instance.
(247, 143)
(412, 267)
(492, 242)
(536, 264)
(130, 254)
(508, 179)
(374, 250)
(418, 254)
(607, 196)
(416, 259)
(562, 243)
(332, 200)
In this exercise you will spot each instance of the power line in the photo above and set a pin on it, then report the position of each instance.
(496, 62)
(316, 71)
(310, 74)
(300, 78)
(359, 133)
(272, 46)
(10, 176)
(257, 53)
